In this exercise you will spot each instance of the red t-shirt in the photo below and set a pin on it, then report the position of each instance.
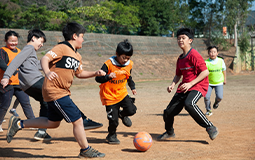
(189, 67)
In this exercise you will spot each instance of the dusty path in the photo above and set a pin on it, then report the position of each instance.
(234, 118)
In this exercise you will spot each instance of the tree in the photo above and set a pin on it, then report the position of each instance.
(111, 16)
(157, 17)
(8, 12)
(34, 17)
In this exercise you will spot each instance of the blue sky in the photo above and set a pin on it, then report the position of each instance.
(253, 6)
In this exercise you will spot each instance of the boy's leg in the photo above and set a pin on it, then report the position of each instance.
(207, 101)
(35, 91)
(14, 107)
(195, 112)
(65, 108)
(5, 101)
(113, 117)
(219, 96)
(129, 109)
(23, 98)
(174, 108)
(15, 124)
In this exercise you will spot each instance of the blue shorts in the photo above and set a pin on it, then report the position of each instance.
(63, 108)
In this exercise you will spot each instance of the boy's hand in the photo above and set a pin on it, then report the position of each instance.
(134, 92)
(100, 73)
(170, 88)
(51, 75)
(185, 87)
(4, 82)
(112, 75)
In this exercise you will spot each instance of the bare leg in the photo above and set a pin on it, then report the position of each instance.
(40, 122)
(79, 133)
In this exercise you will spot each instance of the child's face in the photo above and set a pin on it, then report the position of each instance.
(184, 41)
(37, 42)
(122, 59)
(12, 42)
(213, 53)
(79, 39)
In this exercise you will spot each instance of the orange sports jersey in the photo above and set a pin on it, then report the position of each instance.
(14, 80)
(66, 63)
(115, 90)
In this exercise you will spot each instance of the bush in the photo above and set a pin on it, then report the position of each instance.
(221, 42)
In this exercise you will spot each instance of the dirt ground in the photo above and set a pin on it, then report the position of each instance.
(234, 119)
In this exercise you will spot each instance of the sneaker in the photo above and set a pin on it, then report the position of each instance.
(91, 153)
(13, 112)
(89, 124)
(212, 131)
(13, 128)
(209, 113)
(166, 136)
(112, 139)
(126, 121)
(4, 120)
(215, 105)
(42, 137)
(1, 129)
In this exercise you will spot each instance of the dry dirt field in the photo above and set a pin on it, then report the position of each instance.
(234, 118)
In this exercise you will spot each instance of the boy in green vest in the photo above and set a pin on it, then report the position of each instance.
(217, 77)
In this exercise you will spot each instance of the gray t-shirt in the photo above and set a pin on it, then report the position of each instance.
(29, 67)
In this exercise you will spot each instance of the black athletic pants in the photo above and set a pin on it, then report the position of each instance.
(113, 112)
(187, 100)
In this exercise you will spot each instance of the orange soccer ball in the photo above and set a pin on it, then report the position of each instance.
(142, 141)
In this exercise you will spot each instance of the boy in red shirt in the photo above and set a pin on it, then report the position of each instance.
(192, 69)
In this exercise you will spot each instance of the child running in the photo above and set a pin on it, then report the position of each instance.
(7, 54)
(60, 65)
(113, 91)
(217, 77)
(192, 69)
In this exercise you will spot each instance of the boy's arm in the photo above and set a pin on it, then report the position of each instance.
(45, 67)
(103, 79)
(3, 56)
(186, 86)
(175, 81)
(89, 74)
(130, 82)
(225, 77)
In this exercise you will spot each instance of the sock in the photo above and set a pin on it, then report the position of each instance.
(41, 131)
(20, 124)
(82, 150)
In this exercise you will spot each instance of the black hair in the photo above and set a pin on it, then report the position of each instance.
(187, 31)
(37, 33)
(10, 33)
(211, 47)
(72, 28)
(125, 48)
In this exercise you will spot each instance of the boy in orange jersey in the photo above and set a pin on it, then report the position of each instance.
(113, 91)
(60, 65)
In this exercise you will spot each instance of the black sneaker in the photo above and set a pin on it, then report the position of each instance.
(89, 124)
(165, 136)
(112, 139)
(42, 137)
(91, 153)
(212, 131)
(13, 128)
(215, 105)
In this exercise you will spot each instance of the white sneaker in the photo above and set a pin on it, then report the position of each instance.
(4, 120)
(1, 130)
(209, 113)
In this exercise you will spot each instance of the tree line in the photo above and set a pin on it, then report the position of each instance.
(130, 17)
